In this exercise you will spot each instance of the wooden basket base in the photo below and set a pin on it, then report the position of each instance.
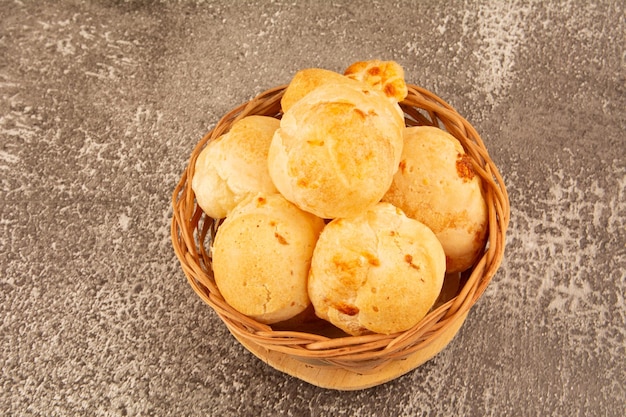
(344, 380)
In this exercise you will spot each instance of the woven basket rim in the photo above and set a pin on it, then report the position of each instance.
(190, 227)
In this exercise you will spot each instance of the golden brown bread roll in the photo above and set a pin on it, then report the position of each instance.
(337, 149)
(379, 271)
(234, 166)
(385, 76)
(436, 185)
(261, 257)
(307, 80)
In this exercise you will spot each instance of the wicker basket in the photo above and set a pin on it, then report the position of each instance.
(312, 354)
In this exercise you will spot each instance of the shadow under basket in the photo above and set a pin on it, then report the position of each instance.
(317, 352)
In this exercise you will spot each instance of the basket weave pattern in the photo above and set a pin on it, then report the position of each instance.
(192, 232)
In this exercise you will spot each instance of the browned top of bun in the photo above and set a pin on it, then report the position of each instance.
(385, 76)
(307, 80)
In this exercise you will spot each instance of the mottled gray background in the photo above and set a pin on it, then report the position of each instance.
(101, 103)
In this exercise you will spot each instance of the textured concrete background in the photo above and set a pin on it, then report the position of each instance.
(101, 103)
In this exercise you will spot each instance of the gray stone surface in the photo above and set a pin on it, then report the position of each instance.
(101, 103)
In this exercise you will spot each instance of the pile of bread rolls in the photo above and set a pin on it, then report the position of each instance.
(339, 207)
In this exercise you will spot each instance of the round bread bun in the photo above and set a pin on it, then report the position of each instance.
(261, 258)
(380, 272)
(436, 184)
(307, 80)
(337, 149)
(234, 166)
(385, 76)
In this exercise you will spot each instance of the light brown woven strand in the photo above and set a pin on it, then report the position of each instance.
(192, 232)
